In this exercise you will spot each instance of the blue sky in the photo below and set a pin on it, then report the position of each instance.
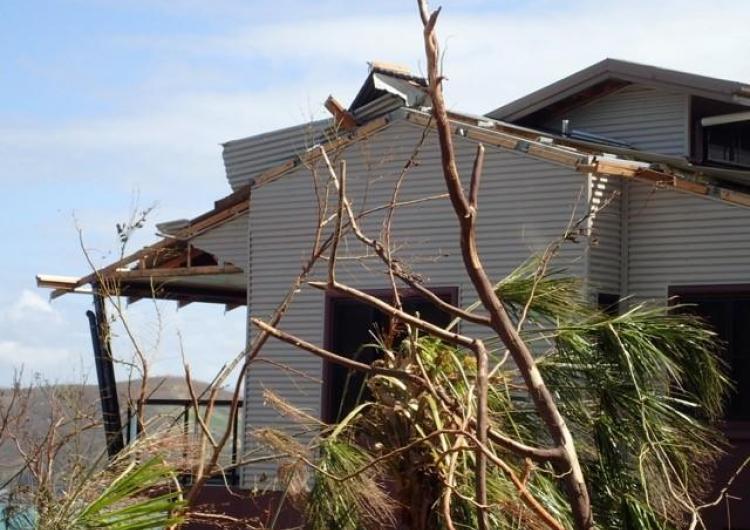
(105, 103)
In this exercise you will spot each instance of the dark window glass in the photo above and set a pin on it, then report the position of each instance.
(729, 314)
(609, 303)
(728, 144)
(351, 328)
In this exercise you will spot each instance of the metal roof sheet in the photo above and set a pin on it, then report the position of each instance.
(615, 69)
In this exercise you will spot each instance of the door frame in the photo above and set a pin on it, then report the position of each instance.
(449, 294)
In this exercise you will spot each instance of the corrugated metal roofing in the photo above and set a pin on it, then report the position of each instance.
(382, 93)
(248, 157)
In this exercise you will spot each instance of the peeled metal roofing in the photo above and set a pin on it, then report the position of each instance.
(385, 92)
(382, 92)
(248, 157)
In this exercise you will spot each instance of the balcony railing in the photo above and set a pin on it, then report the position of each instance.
(178, 415)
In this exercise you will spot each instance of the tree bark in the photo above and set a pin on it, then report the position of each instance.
(501, 322)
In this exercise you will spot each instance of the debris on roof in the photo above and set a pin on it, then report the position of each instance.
(342, 118)
(186, 273)
(389, 79)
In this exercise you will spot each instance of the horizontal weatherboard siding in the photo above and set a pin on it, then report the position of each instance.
(678, 239)
(646, 118)
(228, 242)
(524, 205)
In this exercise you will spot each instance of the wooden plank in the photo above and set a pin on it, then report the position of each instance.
(386, 67)
(230, 200)
(735, 197)
(50, 281)
(343, 119)
(207, 224)
(620, 167)
(555, 154)
(127, 260)
(511, 142)
(690, 186)
(491, 138)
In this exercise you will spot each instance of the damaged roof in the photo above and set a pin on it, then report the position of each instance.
(387, 95)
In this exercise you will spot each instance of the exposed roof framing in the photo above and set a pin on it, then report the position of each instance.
(169, 268)
(172, 268)
(173, 258)
(591, 158)
(166, 288)
(610, 74)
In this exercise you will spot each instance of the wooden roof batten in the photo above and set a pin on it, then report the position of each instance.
(162, 270)
(588, 160)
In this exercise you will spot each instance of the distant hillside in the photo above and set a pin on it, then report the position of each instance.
(164, 387)
(68, 398)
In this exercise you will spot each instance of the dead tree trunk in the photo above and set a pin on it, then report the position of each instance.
(501, 323)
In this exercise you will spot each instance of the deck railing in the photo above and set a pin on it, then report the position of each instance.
(178, 416)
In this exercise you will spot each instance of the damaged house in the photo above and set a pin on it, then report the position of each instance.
(668, 152)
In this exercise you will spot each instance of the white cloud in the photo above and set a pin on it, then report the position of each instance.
(30, 307)
(165, 139)
(36, 337)
(492, 58)
(170, 136)
(24, 355)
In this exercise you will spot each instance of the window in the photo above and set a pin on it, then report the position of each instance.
(727, 309)
(609, 303)
(728, 143)
(350, 325)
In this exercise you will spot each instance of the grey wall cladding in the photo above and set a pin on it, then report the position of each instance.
(524, 204)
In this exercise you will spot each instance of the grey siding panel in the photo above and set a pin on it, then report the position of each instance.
(647, 118)
(524, 205)
(228, 242)
(605, 254)
(679, 239)
(248, 157)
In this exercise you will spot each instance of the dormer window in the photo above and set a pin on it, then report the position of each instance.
(727, 139)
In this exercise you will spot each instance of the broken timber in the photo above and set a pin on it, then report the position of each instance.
(580, 160)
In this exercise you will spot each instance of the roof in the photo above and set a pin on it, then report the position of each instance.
(173, 268)
(393, 79)
(386, 88)
(611, 74)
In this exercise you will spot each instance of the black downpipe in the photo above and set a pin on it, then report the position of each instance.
(105, 374)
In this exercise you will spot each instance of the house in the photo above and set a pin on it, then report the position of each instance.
(668, 152)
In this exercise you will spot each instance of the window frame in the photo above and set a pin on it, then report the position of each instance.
(707, 131)
(734, 429)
